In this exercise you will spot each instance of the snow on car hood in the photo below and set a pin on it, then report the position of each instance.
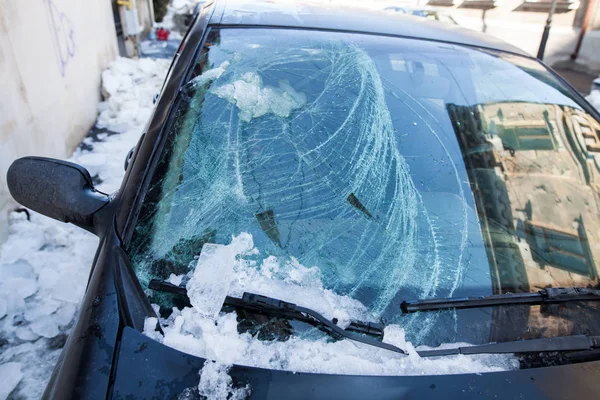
(198, 331)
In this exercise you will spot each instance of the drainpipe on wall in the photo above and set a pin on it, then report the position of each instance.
(151, 8)
(589, 10)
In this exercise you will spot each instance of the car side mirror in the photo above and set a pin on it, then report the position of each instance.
(58, 189)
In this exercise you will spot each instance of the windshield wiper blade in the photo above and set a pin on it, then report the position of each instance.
(565, 343)
(278, 307)
(264, 303)
(544, 296)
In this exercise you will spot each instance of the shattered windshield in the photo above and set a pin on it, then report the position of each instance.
(350, 172)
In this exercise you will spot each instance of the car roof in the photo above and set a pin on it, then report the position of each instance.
(334, 17)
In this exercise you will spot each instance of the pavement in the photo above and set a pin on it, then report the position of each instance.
(580, 80)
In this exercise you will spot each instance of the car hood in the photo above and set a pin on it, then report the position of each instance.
(148, 369)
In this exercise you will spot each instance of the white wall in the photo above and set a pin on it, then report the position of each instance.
(52, 53)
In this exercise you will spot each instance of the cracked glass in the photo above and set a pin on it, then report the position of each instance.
(401, 168)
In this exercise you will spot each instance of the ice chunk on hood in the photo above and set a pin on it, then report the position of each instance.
(215, 383)
(213, 275)
(175, 279)
(205, 332)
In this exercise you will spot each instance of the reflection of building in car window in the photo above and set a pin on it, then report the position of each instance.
(535, 168)
(520, 126)
(585, 138)
(561, 248)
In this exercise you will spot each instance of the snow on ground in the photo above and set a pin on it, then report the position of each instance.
(45, 264)
(202, 331)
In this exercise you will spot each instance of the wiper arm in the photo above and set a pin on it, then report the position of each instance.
(566, 343)
(264, 303)
(544, 296)
(278, 307)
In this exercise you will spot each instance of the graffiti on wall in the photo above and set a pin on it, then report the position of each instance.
(62, 35)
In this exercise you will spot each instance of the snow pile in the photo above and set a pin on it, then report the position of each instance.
(11, 376)
(131, 86)
(44, 264)
(216, 384)
(194, 331)
(254, 100)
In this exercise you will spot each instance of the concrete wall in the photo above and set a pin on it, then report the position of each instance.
(52, 53)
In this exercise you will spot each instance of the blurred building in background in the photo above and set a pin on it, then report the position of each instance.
(521, 23)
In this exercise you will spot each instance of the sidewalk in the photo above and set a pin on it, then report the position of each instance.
(582, 81)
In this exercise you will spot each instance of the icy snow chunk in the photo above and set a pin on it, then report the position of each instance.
(142, 116)
(146, 65)
(18, 269)
(150, 328)
(92, 160)
(213, 275)
(109, 83)
(254, 100)
(394, 334)
(216, 384)
(3, 308)
(120, 127)
(21, 287)
(293, 282)
(25, 333)
(150, 324)
(175, 279)
(18, 246)
(47, 277)
(15, 304)
(45, 326)
(103, 105)
(68, 289)
(65, 314)
(46, 307)
(210, 75)
(11, 376)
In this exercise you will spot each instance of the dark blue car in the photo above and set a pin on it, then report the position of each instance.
(340, 204)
